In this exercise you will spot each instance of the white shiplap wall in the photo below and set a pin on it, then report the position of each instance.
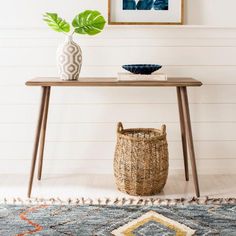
(82, 121)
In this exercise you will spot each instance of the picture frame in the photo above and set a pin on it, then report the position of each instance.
(137, 12)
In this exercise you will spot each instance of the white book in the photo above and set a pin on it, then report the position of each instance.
(139, 77)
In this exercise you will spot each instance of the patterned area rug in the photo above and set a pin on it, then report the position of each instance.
(150, 217)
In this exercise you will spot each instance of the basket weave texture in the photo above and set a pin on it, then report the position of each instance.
(141, 160)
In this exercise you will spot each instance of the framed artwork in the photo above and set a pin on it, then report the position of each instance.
(145, 12)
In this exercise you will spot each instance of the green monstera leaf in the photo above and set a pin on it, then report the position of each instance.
(56, 23)
(89, 22)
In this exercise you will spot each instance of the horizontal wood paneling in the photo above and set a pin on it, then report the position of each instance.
(145, 113)
(106, 132)
(179, 56)
(106, 166)
(82, 121)
(49, 42)
(125, 32)
(99, 150)
(223, 75)
(208, 94)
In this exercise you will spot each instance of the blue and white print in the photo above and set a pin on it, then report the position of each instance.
(146, 5)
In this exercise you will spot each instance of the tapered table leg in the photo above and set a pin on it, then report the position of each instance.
(187, 123)
(183, 134)
(43, 133)
(36, 143)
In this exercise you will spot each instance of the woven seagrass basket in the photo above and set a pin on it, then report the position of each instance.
(141, 160)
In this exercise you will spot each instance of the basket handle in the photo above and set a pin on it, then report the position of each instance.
(119, 127)
(163, 129)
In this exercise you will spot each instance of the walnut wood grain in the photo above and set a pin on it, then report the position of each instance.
(189, 136)
(112, 82)
(37, 138)
(183, 133)
(180, 83)
(43, 133)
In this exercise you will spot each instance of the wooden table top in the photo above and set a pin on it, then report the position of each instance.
(112, 82)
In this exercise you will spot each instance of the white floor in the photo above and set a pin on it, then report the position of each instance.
(98, 186)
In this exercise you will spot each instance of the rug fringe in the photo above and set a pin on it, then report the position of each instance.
(118, 201)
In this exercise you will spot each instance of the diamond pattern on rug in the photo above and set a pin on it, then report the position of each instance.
(152, 223)
(101, 220)
(153, 228)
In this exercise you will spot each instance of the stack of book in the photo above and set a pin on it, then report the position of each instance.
(139, 77)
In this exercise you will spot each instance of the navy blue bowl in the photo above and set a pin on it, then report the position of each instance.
(144, 69)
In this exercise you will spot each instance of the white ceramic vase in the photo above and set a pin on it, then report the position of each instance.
(69, 59)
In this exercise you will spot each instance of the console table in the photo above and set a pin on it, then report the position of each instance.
(180, 84)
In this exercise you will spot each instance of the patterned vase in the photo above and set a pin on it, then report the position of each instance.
(69, 59)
